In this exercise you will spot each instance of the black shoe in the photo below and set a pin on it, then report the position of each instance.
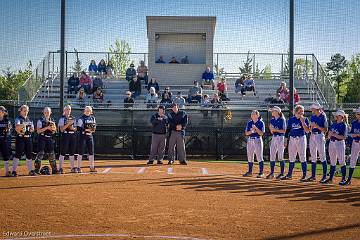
(78, 170)
(171, 162)
(183, 163)
(54, 171)
(61, 171)
(280, 176)
(328, 181)
(37, 171)
(159, 162)
(150, 162)
(286, 177)
(93, 170)
(342, 182)
(270, 176)
(247, 174)
(311, 179)
(14, 174)
(73, 170)
(303, 179)
(348, 182)
(32, 173)
(323, 181)
(260, 175)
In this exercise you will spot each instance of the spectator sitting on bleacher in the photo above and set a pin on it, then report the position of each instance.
(274, 100)
(128, 100)
(97, 83)
(152, 98)
(195, 93)
(98, 96)
(239, 84)
(216, 101)
(208, 78)
(185, 60)
(142, 72)
(296, 97)
(179, 100)
(102, 67)
(249, 85)
(109, 69)
(73, 84)
(130, 72)
(92, 67)
(160, 60)
(205, 101)
(166, 90)
(81, 97)
(173, 60)
(283, 91)
(135, 87)
(153, 83)
(86, 82)
(166, 101)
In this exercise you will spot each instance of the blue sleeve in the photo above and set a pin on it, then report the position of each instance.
(203, 75)
(184, 121)
(307, 123)
(262, 126)
(248, 126)
(212, 75)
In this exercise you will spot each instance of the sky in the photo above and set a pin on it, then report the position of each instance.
(31, 28)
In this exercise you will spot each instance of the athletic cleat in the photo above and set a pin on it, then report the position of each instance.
(303, 179)
(327, 181)
(14, 174)
(347, 182)
(93, 170)
(37, 171)
(73, 170)
(270, 176)
(323, 181)
(61, 171)
(247, 174)
(280, 176)
(286, 177)
(260, 175)
(78, 170)
(183, 163)
(311, 179)
(171, 162)
(150, 162)
(32, 173)
(342, 182)
(159, 162)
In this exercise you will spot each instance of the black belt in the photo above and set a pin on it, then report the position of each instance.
(335, 140)
(316, 133)
(87, 133)
(254, 137)
(24, 136)
(69, 132)
(47, 136)
(297, 136)
(357, 141)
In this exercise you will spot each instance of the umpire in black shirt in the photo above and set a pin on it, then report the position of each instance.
(159, 123)
(177, 124)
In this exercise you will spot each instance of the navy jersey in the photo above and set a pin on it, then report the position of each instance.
(338, 128)
(42, 123)
(321, 121)
(64, 120)
(28, 124)
(295, 127)
(5, 127)
(86, 122)
(259, 124)
(355, 129)
(278, 124)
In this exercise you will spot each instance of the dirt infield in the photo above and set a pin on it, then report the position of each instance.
(129, 200)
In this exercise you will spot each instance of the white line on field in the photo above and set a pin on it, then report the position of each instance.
(141, 170)
(106, 170)
(204, 171)
(170, 170)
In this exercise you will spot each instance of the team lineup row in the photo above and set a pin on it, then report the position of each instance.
(291, 134)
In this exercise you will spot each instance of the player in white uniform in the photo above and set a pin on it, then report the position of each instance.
(355, 146)
(318, 126)
(277, 128)
(255, 129)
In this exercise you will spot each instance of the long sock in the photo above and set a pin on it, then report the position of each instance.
(313, 169)
(324, 168)
(61, 161)
(291, 168)
(15, 164)
(343, 172)
(261, 167)
(250, 164)
(72, 161)
(29, 164)
(6, 165)
(351, 171)
(282, 167)
(304, 168)
(91, 161)
(79, 159)
(332, 172)
(272, 167)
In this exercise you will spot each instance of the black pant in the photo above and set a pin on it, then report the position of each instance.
(250, 89)
(45, 144)
(88, 142)
(4, 148)
(68, 144)
(23, 144)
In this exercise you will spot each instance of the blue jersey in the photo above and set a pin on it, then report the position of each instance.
(338, 128)
(26, 122)
(259, 124)
(321, 121)
(278, 124)
(355, 129)
(86, 122)
(5, 127)
(295, 127)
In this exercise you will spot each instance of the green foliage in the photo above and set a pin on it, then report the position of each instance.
(219, 71)
(120, 57)
(267, 72)
(258, 73)
(78, 68)
(11, 82)
(352, 81)
(302, 67)
(247, 68)
(336, 69)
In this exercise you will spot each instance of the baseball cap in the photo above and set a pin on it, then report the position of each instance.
(276, 109)
(132, 65)
(315, 106)
(356, 110)
(339, 113)
(2, 108)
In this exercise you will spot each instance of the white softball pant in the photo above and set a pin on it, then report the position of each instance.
(297, 145)
(317, 145)
(355, 150)
(255, 146)
(277, 148)
(337, 152)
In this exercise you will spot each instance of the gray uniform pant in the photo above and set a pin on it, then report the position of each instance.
(177, 139)
(158, 143)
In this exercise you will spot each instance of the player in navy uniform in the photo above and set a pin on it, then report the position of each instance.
(297, 127)
(67, 126)
(337, 135)
(5, 128)
(318, 126)
(86, 125)
(255, 129)
(277, 128)
(46, 128)
(24, 127)
(355, 146)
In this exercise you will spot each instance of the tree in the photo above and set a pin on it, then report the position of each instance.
(353, 70)
(247, 68)
(335, 69)
(302, 67)
(121, 56)
(78, 68)
(11, 82)
(219, 70)
(267, 72)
